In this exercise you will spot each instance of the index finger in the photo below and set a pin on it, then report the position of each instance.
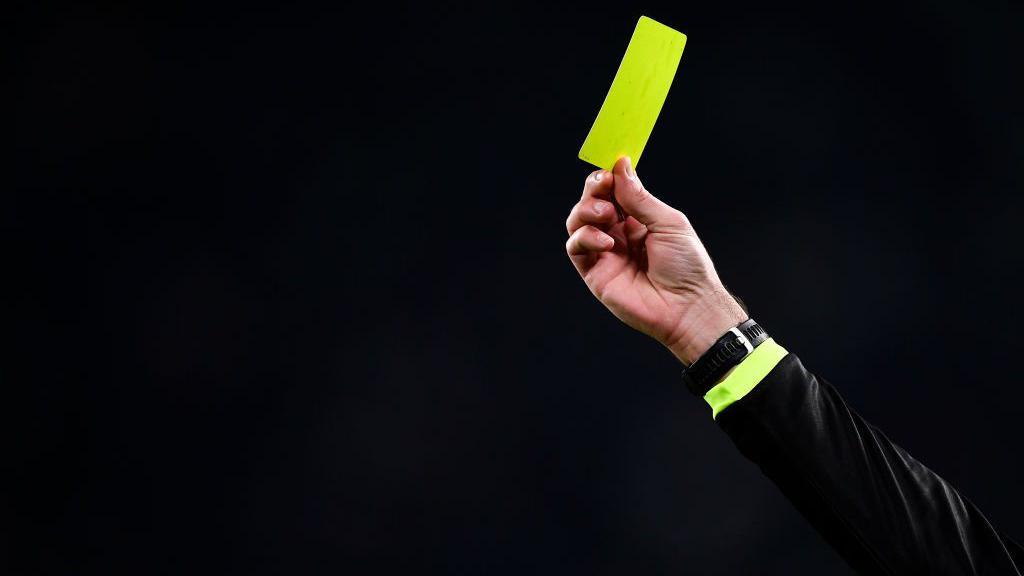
(598, 185)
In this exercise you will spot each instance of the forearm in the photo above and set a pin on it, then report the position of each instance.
(884, 511)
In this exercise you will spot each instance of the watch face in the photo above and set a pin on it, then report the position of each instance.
(722, 356)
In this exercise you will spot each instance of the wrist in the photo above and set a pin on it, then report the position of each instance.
(703, 324)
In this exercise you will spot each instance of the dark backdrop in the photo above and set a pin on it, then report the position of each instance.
(289, 291)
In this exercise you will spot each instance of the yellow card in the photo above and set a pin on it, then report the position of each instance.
(634, 101)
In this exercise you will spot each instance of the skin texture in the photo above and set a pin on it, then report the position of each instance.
(646, 264)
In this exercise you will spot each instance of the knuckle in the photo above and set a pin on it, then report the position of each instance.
(641, 195)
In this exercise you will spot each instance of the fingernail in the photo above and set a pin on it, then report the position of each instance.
(597, 176)
(599, 208)
(608, 240)
(629, 167)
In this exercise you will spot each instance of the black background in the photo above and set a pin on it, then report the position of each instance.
(289, 291)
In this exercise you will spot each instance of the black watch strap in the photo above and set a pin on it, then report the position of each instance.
(725, 353)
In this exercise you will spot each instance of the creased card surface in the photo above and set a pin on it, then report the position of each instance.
(638, 91)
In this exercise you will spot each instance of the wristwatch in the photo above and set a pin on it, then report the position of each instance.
(726, 352)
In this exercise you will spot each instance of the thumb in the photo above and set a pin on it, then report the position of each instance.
(636, 200)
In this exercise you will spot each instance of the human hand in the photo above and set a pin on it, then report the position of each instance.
(650, 269)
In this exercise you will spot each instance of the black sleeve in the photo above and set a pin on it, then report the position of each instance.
(885, 512)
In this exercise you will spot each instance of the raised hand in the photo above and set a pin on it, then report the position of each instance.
(649, 268)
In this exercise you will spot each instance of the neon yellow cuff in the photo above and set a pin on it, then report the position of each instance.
(745, 376)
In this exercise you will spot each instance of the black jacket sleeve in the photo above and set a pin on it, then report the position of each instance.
(885, 512)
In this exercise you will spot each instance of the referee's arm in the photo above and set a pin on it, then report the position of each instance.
(884, 511)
